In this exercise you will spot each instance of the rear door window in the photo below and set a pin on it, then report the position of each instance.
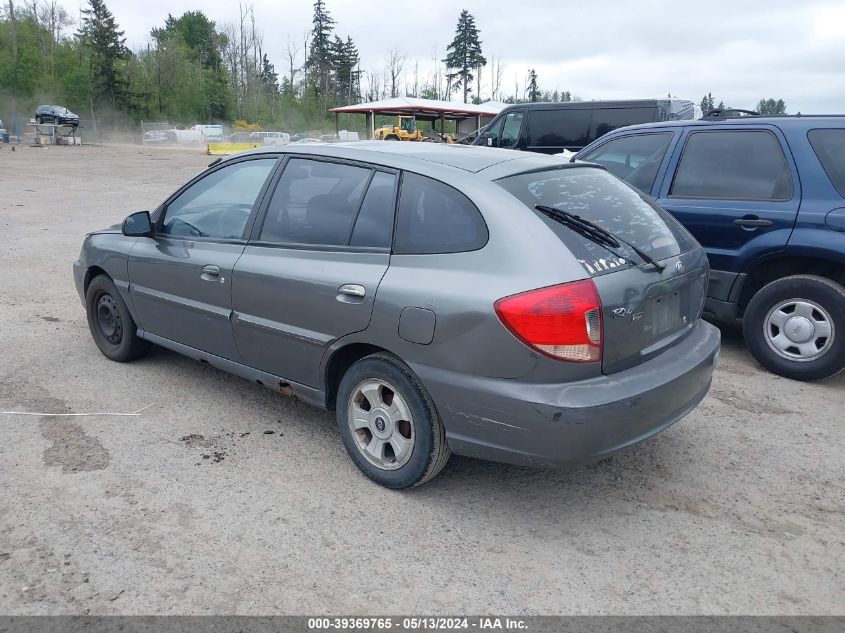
(635, 158)
(829, 146)
(732, 165)
(315, 202)
(598, 196)
(374, 225)
(561, 127)
(436, 218)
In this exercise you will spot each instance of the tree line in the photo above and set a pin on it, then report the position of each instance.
(769, 107)
(193, 70)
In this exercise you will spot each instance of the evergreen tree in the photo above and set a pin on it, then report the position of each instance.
(347, 76)
(464, 54)
(322, 52)
(707, 103)
(532, 87)
(107, 46)
(269, 78)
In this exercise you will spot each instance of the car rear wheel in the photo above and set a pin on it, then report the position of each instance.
(389, 424)
(112, 327)
(795, 327)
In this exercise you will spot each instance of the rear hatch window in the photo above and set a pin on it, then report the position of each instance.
(644, 310)
(600, 197)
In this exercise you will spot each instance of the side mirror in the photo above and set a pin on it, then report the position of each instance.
(138, 225)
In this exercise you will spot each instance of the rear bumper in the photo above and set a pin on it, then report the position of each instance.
(555, 424)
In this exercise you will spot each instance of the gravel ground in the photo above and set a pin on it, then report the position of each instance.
(222, 497)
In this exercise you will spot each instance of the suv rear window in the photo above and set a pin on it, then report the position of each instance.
(598, 196)
(732, 165)
(829, 146)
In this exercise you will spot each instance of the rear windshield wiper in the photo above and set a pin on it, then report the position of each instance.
(596, 232)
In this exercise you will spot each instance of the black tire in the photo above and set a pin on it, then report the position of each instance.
(112, 326)
(430, 450)
(828, 295)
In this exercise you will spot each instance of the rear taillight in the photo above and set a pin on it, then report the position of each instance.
(563, 321)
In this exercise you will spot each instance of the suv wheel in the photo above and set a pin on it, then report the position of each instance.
(388, 423)
(795, 327)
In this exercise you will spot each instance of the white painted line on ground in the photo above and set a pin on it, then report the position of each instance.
(138, 412)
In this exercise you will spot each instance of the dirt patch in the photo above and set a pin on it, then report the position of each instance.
(71, 447)
(212, 449)
(195, 439)
(216, 448)
(758, 403)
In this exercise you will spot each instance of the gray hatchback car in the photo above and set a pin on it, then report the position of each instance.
(491, 303)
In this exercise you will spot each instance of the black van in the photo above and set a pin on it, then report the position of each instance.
(551, 128)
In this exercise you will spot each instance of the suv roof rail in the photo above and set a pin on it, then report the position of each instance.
(723, 113)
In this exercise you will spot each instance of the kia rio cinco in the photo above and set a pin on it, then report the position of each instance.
(491, 303)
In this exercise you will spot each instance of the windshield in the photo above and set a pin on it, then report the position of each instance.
(603, 199)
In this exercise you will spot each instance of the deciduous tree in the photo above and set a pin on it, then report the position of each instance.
(771, 107)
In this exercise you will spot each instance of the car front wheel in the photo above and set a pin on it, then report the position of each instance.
(112, 327)
(795, 327)
(389, 424)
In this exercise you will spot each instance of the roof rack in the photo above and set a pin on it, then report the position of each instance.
(723, 113)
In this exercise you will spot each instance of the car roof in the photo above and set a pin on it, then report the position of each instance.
(403, 154)
(796, 120)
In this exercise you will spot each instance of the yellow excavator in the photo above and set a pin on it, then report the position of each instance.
(405, 129)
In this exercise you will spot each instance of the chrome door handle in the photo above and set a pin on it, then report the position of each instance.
(353, 290)
(210, 273)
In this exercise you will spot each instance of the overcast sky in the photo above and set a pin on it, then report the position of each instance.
(740, 51)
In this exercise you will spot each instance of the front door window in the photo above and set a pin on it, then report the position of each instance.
(219, 205)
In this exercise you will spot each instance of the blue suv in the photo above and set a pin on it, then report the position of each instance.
(765, 196)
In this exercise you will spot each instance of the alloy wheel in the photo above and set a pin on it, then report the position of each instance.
(381, 424)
